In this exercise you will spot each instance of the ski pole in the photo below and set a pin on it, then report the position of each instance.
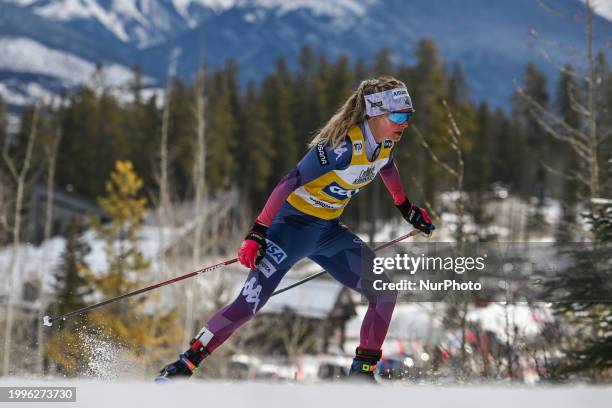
(48, 321)
(316, 275)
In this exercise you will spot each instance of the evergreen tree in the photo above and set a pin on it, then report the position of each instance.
(457, 86)
(324, 111)
(534, 137)
(276, 97)
(534, 176)
(503, 148)
(84, 142)
(111, 128)
(65, 348)
(304, 109)
(71, 286)
(307, 63)
(221, 141)
(568, 96)
(126, 322)
(126, 208)
(142, 120)
(361, 72)
(478, 167)
(382, 63)
(431, 118)
(474, 125)
(603, 104)
(182, 125)
(258, 146)
(478, 160)
(586, 304)
(340, 83)
(240, 110)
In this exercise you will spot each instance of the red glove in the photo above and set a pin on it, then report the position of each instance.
(253, 247)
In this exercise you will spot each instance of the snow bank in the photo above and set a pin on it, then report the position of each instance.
(94, 394)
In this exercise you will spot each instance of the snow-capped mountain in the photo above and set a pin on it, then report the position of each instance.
(49, 44)
(132, 22)
(147, 22)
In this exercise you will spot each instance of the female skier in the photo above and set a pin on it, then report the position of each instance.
(300, 219)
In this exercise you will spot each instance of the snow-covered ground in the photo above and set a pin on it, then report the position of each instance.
(94, 394)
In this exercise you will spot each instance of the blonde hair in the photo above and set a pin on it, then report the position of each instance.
(352, 111)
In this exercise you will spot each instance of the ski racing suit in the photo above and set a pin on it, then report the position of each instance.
(302, 214)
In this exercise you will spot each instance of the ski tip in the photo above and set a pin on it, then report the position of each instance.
(161, 379)
(47, 321)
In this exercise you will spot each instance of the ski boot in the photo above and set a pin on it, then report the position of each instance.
(186, 365)
(364, 365)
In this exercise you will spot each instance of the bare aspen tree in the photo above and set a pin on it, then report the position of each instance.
(295, 335)
(162, 178)
(5, 194)
(20, 178)
(587, 139)
(5, 190)
(457, 172)
(51, 150)
(584, 142)
(199, 181)
(164, 188)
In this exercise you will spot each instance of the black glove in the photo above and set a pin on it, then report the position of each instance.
(416, 216)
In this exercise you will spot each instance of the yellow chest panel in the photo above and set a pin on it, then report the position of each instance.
(326, 196)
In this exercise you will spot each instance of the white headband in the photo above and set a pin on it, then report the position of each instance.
(392, 100)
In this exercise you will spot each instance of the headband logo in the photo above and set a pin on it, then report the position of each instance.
(398, 93)
(373, 104)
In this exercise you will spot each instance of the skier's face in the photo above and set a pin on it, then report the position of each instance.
(384, 128)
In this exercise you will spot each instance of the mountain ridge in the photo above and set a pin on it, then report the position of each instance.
(490, 39)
